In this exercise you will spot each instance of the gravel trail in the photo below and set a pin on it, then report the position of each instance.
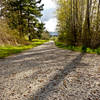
(50, 73)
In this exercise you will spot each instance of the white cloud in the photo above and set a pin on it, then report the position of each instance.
(51, 25)
(49, 4)
(49, 15)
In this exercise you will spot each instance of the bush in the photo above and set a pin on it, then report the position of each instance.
(84, 49)
(8, 36)
(98, 51)
(54, 38)
(45, 35)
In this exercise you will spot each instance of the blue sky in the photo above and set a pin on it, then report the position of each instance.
(49, 16)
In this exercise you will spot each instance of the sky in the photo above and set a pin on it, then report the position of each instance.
(49, 16)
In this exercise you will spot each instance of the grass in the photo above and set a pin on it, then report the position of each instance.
(78, 48)
(9, 49)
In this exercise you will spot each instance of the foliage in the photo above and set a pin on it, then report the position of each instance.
(54, 38)
(9, 49)
(9, 36)
(45, 35)
(24, 15)
(78, 48)
(79, 22)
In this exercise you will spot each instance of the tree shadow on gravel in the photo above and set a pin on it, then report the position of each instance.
(54, 82)
(30, 60)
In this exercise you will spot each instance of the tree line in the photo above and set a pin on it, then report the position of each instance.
(79, 22)
(24, 16)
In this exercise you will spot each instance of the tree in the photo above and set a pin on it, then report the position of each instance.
(86, 26)
(79, 22)
(23, 15)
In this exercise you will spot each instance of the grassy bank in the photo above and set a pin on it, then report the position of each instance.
(9, 49)
(79, 49)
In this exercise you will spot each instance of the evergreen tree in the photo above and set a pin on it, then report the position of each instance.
(23, 15)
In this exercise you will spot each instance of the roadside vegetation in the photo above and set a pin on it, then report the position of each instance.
(54, 38)
(79, 24)
(78, 48)
(20, 27)
(7, 50)
(9, 36)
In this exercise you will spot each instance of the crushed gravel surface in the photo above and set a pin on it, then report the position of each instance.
(50, 73)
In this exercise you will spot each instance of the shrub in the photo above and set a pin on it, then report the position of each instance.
(8, 36)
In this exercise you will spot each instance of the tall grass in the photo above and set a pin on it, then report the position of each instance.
(7, 35)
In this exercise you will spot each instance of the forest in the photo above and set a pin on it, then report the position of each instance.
(22, 17)
(79, 22)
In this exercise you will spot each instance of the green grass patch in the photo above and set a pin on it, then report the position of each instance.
(9, 50)
(78, 48)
